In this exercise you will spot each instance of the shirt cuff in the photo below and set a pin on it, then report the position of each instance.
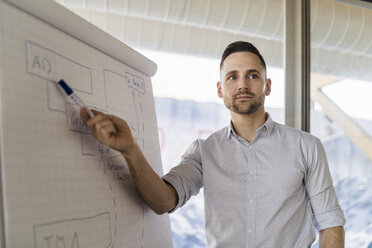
(329, 219)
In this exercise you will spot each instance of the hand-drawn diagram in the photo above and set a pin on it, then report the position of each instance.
(70, 233)
(124, 90)
(47, 64)
(118, 99)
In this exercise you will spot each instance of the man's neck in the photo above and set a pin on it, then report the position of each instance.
(245, 125)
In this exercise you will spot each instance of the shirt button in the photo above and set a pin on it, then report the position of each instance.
(250, 201)
(251, 172)
(250, 147)
(250, 230)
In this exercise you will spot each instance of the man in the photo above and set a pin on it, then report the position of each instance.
(264, 183)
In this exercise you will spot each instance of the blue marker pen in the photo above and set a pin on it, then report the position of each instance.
(74, 97)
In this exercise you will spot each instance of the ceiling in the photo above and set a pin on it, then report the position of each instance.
(341, 34)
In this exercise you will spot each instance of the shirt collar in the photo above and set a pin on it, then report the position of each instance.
(231, 131)
(269, 125)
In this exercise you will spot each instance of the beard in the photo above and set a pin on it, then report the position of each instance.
(248, 107)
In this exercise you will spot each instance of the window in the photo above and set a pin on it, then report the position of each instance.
(341, 113)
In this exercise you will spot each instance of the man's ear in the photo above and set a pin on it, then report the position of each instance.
(267, 86)
(219, 89)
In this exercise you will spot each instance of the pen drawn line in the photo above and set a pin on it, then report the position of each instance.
(48, 97)
(104, 81)
(82, 146)
(135, 110)
(102, 151)
(91, 83)
(71, 220)
(80, 131)
(143, 129)
(140, 88)
(26, 53)
(36, 226)
(131, 84)
(57, 54)
(45, 48)
(115, 156)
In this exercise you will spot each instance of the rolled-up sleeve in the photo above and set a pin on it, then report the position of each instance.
(319, 186)
(187, 176)
(327, 211)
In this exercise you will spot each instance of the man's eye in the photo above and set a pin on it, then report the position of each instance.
(233, 77)
(253, 76)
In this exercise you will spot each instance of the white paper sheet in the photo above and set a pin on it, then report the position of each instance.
(60, 187)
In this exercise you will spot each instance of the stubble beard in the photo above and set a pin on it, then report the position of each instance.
(243, 107)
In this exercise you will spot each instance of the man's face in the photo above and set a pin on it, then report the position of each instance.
(243, 85)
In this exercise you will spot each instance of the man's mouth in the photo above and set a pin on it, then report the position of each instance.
(244, 97)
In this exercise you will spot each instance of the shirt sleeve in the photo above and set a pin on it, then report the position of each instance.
(187, 176)
(319, 186)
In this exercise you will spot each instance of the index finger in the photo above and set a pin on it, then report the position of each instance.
(85, 116)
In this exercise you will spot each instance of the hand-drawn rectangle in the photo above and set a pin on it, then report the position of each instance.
(72, 233)
(135, 82)
(74, 121)
(49, 65)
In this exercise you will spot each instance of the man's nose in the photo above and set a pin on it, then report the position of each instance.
(243, 83)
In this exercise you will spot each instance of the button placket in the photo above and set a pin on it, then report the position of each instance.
(251, 194)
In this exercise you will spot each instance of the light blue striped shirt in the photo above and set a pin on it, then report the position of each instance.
(266, 193)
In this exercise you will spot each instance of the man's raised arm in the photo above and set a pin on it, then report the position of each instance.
(115, 133)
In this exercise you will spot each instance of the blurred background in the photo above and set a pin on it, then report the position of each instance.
(186, 39)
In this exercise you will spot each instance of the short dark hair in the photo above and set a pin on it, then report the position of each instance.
(241, 46)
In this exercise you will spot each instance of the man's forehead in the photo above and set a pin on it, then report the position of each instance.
(242, 60)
